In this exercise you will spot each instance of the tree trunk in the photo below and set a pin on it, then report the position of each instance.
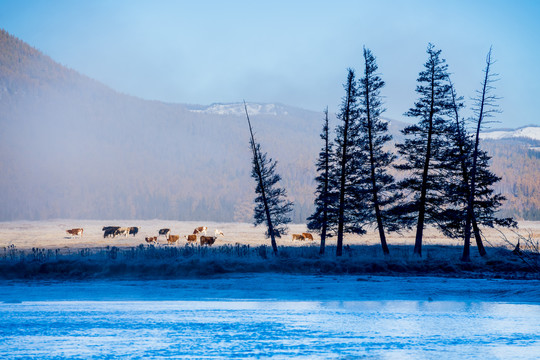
(472, 191)
(326, 177)
(423, 191)
(464, 170)
(341, 211)
(261, 184)
(384, 245)
(478, 237)
(323, 238)
(470, 204)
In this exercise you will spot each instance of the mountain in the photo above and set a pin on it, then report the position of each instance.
(71, 147)
(527, 132)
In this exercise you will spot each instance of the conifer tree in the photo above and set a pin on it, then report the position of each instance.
(480, 192)
(374, 179)
(271, 204)
(424, 148)
(346, 161)
(458, 160)
(321, 219)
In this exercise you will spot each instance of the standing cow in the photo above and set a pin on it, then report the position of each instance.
(200, 229)
(75, 232)
(164, 232)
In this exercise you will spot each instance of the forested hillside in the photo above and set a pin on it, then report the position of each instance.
(517, 161)
(71, 147)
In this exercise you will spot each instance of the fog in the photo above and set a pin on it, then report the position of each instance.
(73, 148)
(70, 147)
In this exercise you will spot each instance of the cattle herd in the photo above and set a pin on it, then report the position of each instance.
(192, 238)
(113, 231)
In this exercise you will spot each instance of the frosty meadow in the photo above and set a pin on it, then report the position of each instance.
(42, 250)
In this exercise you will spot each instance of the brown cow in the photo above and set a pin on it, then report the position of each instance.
(307, 236)
(173, 239)
(298, 237)
(208, 240)
(200, 229)
(151, 239)
(191, 238)
(74, 232)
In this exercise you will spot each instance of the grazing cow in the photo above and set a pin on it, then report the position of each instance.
(208, 240)
(200, 229)
(110, 231)
(173, 239)
(164, 232)
(150, 239)
(307, 236)
(74, 232)
(133, 230)
(191, 238)
(298, 237)
(218, 233)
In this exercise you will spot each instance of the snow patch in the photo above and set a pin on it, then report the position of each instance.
(237, 109)
(529, 132)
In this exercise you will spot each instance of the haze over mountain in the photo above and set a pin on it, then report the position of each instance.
(71, 147)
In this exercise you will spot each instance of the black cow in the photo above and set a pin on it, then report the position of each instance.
(164, 232)
(111, 231)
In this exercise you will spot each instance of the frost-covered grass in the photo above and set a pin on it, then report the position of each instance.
(42, 249)
(169, 262)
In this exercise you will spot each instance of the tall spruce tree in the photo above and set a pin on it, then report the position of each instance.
(458, 162)
(322, 218)
(487, 202)
(374, 179)
(271, 204)
(424, 148)
(346, 161)
(480, 176)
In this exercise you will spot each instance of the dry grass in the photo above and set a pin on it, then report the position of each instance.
(52, 235)
(42, 250)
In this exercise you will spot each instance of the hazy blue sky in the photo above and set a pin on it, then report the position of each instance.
(296, 53)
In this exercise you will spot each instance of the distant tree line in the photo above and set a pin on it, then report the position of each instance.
(445, 177)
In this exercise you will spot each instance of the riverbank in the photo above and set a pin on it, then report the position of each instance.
(193, 261)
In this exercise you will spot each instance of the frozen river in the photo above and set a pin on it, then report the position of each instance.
(260, 316)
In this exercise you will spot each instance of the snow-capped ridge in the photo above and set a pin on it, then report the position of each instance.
(529, 132)
(238, 109)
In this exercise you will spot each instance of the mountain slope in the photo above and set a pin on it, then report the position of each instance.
(526, 132)
(71, 147)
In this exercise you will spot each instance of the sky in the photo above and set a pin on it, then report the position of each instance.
(290, 52)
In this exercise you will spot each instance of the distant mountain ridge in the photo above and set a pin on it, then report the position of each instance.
(529, 132)
(238, 109)
(71, 147)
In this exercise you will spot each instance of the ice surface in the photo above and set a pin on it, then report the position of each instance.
(270, 315)
(274, 286)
